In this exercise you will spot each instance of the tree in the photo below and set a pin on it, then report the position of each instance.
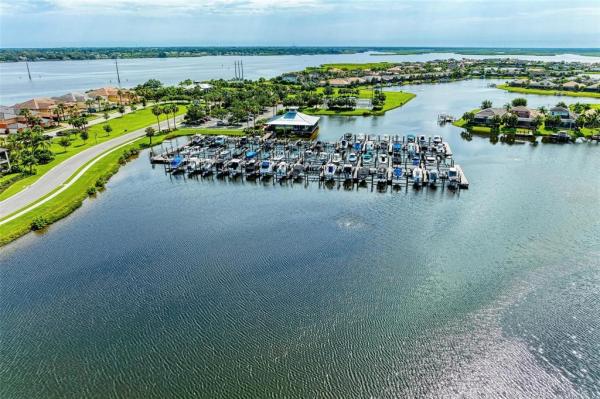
(121, 109)
(174, 110)
(496, 121)
(157, 111)
(537, 122)
(106, 116)
(195, 113)
(165, 110)
(520, 101)
(84, 135)
(150, 133)
(328, 90)
(107, 128)
(486, 104)
(64, 142)
(510, 119)
(561, 104)
(468, 117)
(543, 110)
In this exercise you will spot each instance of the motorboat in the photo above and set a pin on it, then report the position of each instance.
(297, 171)
(336, 158)
(433, 175)
(323, 158)
(266, 168)
(411, 148)
(225, 154)
(417, 176)
(250, 168)
(437, 140)
(234, 167)
(347, 171)
(410, 138)
(431, 160)
(369, 146)
(397, 175)
(352, 158)
(396, 148)
(193, 164)
(363, 173)
(220, 140)
(381, 176)
(282, 170)
(382, 159)
(452, 177)
(367, 159)
(330, 170)
(207, 167)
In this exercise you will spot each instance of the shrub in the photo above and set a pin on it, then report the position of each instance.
(39, 222)
(101, 182)
(91, 191)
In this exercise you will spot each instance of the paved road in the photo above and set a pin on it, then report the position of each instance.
(56, 176)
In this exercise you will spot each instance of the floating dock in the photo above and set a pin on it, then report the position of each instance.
(354, 160)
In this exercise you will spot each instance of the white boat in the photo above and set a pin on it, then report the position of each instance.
(234, 167)
(369, 146)
(352, 158)
(330, 170)
(417, 175)
(208, 167)
(437, 140)
(298, 171)
(282, 170)
(430, 160)
(347, 170)
(363, 173)
(193, 164)
(411, 148)
(452, 177)
(266, 168)
(337, 158)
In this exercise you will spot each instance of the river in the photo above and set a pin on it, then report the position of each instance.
(171, 287)
(55, 78)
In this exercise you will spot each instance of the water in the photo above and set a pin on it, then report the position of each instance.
(55, 78)
(172, 287)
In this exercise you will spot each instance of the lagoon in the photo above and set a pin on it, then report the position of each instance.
(167, 287)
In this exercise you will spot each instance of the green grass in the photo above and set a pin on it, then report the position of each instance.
(360, 67)
(541, 131)
(544, 92)
(125, 124)
(393, 99)
(188, 131)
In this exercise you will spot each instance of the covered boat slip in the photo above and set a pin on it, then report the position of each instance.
(293, 123)
(353, 160)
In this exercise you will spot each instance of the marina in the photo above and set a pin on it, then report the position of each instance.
(355, 159)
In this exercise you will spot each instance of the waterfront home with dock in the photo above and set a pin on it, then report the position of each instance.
(294, 122)
(485, 115)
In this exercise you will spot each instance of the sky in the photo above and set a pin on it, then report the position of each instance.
(472, 23)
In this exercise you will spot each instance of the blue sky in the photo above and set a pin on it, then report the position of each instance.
(510, 23)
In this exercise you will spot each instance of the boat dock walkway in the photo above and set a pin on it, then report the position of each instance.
(382, 161)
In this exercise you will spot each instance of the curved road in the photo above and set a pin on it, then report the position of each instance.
(57, 176)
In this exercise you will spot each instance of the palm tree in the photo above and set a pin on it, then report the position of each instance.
(174, 110)
(157, 111)
(99, 101)
(149, 133)
(166, 109)
(120, 94)
(89, 102)
(543, 110)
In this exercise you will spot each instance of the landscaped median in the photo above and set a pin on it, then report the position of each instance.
(549, 92)
(12, 184)
(88, 184)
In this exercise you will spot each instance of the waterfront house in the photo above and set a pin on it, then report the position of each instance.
(593, 87)
(525, 115)
(42, 107)
(519, 82)
(567, 117)
(294, 122)
(111, 94)
(8, 116)
(73, 99)
(544, 84)
(485, 115)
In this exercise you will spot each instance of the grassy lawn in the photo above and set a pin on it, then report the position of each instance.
(541, 131)
(360, 67)
(393, 99)
(127, 123)
(188, 131)
(525, 90)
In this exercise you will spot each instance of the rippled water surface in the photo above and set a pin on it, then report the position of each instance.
(172, 287)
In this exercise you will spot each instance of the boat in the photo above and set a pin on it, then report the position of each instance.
(297, 171)
(410, 138)
(382, 159)
(193, 164)
(417, 176)
(367, 158)
(411, 148)
(433, 175)
(250, 168)
(266, 168)
(369, 146)
(352, 158)
(381, 176)
(396, 148)
(397, 175)
(452, 177)
(234, 167)
(362, 174)
(437, 140)
(347, 171)
(330, 170)
(282, 170)
(207, 167)
(336, 158)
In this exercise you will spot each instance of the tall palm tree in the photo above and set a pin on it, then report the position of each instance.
(120, 94)
(157, 111)
(166, 109)
(99, 101)
(174, 110)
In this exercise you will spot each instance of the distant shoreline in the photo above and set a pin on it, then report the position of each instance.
(100, 53)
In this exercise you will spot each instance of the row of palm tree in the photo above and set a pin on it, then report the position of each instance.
(27, 148)
(166, 109)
